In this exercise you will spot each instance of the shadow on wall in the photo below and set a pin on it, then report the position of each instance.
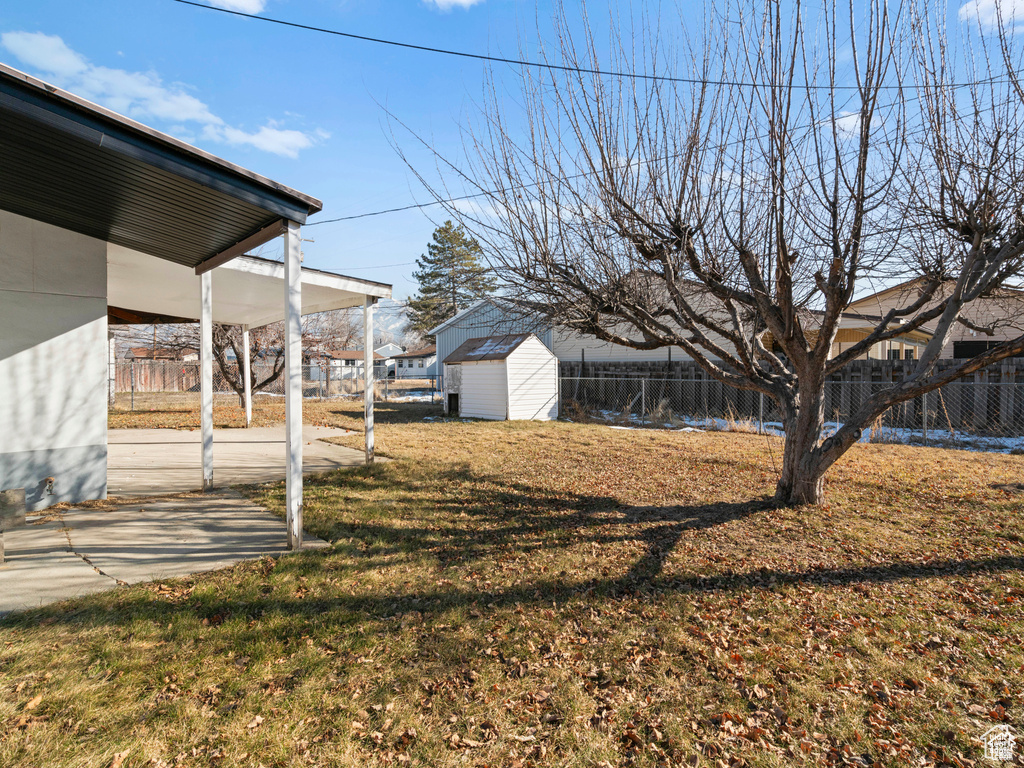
(53, 378)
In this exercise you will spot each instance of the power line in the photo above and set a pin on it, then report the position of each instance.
(491, 192)
(393, 210)
(553, 67)
(376, 266)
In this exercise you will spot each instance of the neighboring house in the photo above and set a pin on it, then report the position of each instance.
(417, 364)
(502, 377)
(1003, 313)
(387, 352)
(492, 317)
(854, 328)
(161, 353)
(338, 364)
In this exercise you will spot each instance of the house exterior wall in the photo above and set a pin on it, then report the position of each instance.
(1005, 312)
(484, 392)
(409, 367)
(569, 345)
(532, 382)
(53, 362)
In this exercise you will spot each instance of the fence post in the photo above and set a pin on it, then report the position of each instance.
(643, 402)
(760, 413)
(924, 418)
(133, 385)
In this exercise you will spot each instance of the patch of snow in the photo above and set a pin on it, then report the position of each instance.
(937, 438)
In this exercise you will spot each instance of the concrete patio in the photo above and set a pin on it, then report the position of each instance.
(61, 555)
(80, 551)
(154, 462)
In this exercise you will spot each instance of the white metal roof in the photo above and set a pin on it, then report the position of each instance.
(246, 291)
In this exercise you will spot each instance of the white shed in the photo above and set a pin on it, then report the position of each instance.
(503, 377)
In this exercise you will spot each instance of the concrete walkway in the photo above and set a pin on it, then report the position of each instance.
(154, 462)
(82, 551)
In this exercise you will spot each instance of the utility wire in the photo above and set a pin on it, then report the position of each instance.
(553, 67)
(395, 210)
(539, 65)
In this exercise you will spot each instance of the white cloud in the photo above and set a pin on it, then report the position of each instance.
(848, 124)
(447, 5)
(144, 96)
(44, 52)
(990, 14)
(268, 138)
(245, 6)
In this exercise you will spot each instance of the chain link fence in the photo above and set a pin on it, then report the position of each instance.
(168, 384)
(981, 415)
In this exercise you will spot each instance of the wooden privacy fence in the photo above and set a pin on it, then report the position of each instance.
(156, 376)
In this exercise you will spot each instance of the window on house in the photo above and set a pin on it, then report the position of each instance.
(894, 354)
(419, 363)
(908, 353)
(963, 349)
(350, 362)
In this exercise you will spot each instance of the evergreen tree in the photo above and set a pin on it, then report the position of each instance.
(451, 278)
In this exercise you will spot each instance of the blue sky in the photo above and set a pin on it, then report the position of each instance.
(303, 108)
(299, 107)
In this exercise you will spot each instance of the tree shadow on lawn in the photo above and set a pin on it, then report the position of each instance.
(486, 525)
(499, 517)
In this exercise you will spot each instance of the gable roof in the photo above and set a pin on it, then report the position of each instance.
(488, 348)
(349, 354)
(425, 352)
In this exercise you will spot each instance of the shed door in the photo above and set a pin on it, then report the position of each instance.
(483, 391)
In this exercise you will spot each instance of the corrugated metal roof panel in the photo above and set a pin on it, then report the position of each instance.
(489, 348)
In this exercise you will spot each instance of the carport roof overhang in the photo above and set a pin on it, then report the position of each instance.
(246, 291)
(76, 165)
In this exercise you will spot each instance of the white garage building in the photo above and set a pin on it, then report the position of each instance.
(502, 378)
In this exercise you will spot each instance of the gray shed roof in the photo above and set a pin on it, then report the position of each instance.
(488, 348)
(68, 162)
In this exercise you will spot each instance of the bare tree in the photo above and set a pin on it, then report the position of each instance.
(799, 156)
(321, 334)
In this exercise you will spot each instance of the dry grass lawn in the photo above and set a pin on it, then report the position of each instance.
(558, 594)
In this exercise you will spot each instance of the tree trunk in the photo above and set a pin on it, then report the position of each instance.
(803, 468)
(802, 480)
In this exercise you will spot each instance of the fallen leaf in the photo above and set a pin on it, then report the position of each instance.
(34, 703)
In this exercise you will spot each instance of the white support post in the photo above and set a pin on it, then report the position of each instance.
(206, 374)
(246, 376)
(111, 369)
(368, 376)
(293, 383)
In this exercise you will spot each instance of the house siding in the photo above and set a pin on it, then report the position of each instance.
(532, 382)
(1006, 312)
(484, 392)
(53, 362)
(428, 371)
(573, 346)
